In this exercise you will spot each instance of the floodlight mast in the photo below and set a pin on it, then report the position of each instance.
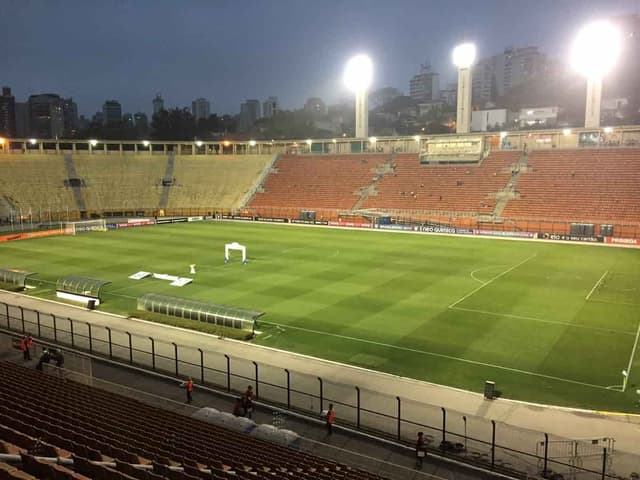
(463, 57)
(594, 53)
(357, 77)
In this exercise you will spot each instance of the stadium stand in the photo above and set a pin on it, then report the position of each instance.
(579, 184)
(35, 182)
(443, 188)
(121, 182)
(319, 181)
(214, 181)
(48, 416)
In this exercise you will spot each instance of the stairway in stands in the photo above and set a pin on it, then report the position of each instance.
(380, 171)
(74, 182)
(510, 190)
(167, 181)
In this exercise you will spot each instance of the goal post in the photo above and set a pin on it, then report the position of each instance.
(84, 226)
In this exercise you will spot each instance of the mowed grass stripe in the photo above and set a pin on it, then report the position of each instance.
(389, 289)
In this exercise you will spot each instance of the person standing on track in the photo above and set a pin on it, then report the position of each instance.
(188, 387)
(331, 419)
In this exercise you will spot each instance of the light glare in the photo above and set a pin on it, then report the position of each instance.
(358, 73)
(145, 143)
(252, 143)
(93, 143)
(33, 141)
(595, 49)
(464, 55)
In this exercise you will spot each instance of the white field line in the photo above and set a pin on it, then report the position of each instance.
(633, 353)
(439, 355)
(629, 304)
(480, 269)
(535, 319)
(492, 280)
(596, 285)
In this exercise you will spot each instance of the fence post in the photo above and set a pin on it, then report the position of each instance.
(201, 366)
(358, 407)
(399, 417)
(255, 364)
(175, 353)
(73, 344)
(444, 428)
(153, 353)
(90, 339)
(546, 453)
(6, 307)
(493, 444)
(130, 348)
(38, 320)
(464, 419)
(321, 394)
(604, 463)
(22, 318)
(55, 328)
(286, 370)
(110, 346)
(228, 372)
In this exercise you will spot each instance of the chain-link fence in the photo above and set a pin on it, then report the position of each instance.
(466, 438)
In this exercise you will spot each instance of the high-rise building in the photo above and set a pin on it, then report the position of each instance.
(111, 112)
(7, 113)
(158, 104)
(425, 86)
(200, 108)
(315, 106)
(494, 76)
(70, 116)
(22, 119)
(46, 116)
(127, 120)
(141, 120)
(270, 107)
(249, 114)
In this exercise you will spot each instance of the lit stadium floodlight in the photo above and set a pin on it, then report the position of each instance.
(198, 143)
(463, 57)
(373, 139)
(594, 52)
(309, 141)
(226, 143)
(252, 143)
(2, 140)
(93, 142)
(566, 132)
(416, 138)
(33, 141)
(145, 143)
(334, 140)
(608, 129)
(596, 49)
(357, 77)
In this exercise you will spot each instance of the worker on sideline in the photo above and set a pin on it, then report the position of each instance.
(331, 419)
(188, 386)
(29, 345)
(24, 349)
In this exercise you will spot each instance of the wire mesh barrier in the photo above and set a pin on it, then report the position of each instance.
(469, 439)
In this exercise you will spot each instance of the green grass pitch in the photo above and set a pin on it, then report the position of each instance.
(549, 323)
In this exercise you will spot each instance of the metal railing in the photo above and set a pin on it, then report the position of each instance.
(473, 440)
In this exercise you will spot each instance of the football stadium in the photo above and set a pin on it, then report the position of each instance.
(338, 295)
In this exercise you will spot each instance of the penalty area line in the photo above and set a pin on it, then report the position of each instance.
(510, 269)
(633, 354)
(439, 355)
(596, 285)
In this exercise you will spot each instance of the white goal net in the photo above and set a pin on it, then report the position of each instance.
(73, 228)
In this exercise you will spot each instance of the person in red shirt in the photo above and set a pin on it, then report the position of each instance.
(188, 386)
(25, 349)
(29, 345)
(331, 419)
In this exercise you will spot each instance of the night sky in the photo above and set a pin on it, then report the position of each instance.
(230, 50)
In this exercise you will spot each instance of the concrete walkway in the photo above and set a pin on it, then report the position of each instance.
(519, 423)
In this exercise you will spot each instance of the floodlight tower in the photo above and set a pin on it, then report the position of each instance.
(357, 78)
(463, 57)
(594, 53)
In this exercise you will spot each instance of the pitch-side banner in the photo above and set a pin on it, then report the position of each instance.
(632, 242)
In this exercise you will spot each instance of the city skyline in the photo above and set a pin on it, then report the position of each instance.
(126, 53)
